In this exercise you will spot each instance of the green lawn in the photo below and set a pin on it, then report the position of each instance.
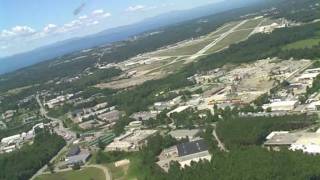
(224, 28)
(233, 38)
(269, 21)
(251, 24)
(307, 43)
(84, 174)
(189, 49)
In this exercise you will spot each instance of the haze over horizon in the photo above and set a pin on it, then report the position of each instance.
(40, 24)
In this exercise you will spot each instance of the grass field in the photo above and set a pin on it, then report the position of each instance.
(84, 174)
(307, 43)
(231, 39)
(251, 24)
(188, 49)
(119, 173)
(269, 21)
(224, 28)
(194, 47)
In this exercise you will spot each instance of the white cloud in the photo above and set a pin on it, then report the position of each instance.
(3, 47)
(22, 30)
(21, 38)
(49, 28)
(135, 8)
(97, 12)
(83, 17)
(139, 8)
(7, 33)
(93, 18)
(105, 15)
(93, 23)
(17, 31)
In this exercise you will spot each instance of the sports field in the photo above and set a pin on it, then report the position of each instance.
(84, 174)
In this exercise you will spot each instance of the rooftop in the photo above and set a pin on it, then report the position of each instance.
(192, 147)
(81, 158)
(283, 139)
(184, 133)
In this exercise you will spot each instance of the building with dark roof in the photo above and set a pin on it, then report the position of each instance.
(193, 147)
(184, 153)
(75, 150)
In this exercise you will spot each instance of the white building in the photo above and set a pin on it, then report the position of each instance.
(178, 110)
(314, 106)
(307, 77)
(11, 139)
(131, 140)
(185, 133)
(57, 101)
(281, 105)
(309, 143)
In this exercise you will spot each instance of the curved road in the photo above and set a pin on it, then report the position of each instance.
(43, 112)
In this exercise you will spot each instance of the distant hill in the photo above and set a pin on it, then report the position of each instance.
(18, 61)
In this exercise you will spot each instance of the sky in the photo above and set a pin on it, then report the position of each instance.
(29, 24)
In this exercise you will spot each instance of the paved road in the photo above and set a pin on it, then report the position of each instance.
(220, 144)
(209, 46)
(254, 30)
(59, 128)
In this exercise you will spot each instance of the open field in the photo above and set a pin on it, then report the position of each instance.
(251, 24)
(174, 57)
(233, 38)
(192, 47)
(269, 21)
(307, 43)
(119, 173)
(84, 174)
(224, 28)
(188, 49)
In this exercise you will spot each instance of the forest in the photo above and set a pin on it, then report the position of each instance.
(250, 131)
(247, 164)
(23, 163)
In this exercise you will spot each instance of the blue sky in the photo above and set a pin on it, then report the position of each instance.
(28, 24)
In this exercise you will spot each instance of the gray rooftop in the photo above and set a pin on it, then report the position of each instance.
(81, 158)
(283, 139)
(73, 151)
(192, 147)
(184, 133)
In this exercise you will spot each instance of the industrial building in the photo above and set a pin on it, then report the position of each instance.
(132, 140)
(57, 101)
(134, 125)
(179, 110)
(185, 133)
(11, 143)
(144, 116)
(281, 105)
(314, 106)
(75, 150)
(184, 154)
(8, 114)
(308, 142)
(110, 117)
(80, 159)
(307, 78)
